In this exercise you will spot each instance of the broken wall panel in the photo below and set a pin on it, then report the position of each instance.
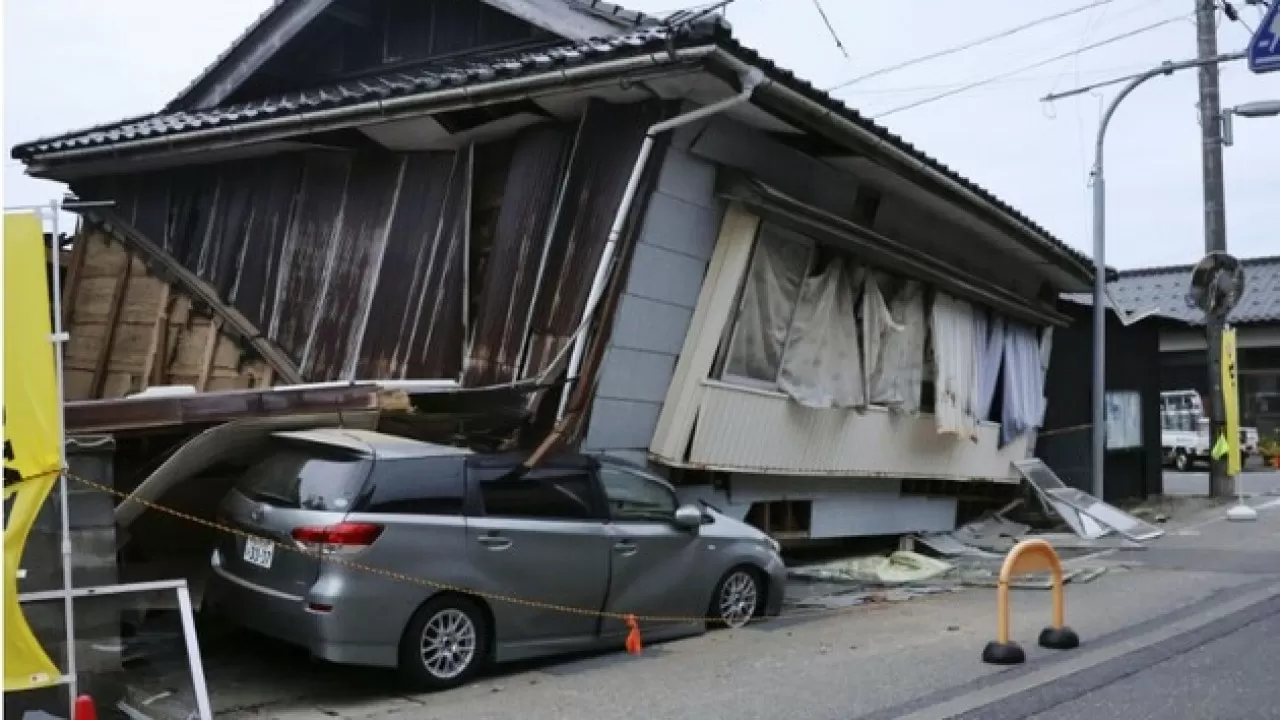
(433, 346)
(364, 262)
(254, 289)
(424, 191)
(306, 252)
(515, 253)
(606, 145)
(354, 255)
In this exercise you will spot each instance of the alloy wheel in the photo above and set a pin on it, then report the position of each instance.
(448, 644)
(738, 599)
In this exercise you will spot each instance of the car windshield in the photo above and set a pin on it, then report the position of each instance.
(301, 477)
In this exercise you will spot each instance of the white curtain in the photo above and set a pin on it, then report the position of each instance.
(954, 353)
(898, 372)
(821, 366)
(989, 339)
(768, 298)
(1023, 383)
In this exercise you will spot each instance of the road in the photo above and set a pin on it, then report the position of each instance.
(1231, 677)
(1180, 603)
(1256, 481)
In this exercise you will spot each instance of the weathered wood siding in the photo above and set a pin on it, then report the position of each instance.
(375, 265)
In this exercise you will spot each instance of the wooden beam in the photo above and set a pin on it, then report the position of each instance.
(199, 291)
(210, 350)
(79, 249)
(153, 371)
(101, 364)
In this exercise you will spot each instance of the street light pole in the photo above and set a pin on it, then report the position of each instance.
(1098, 437)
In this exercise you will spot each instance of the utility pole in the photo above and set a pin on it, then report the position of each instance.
(1215, 221)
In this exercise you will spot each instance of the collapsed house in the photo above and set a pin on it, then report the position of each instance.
(632, 234)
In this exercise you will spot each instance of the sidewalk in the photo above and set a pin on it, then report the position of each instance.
(844, 666)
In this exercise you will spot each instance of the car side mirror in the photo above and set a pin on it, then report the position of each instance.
(688, 517)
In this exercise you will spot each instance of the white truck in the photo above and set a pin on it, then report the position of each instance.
(1184, 431)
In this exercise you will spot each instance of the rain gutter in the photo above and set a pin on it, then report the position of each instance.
(414, 105)
(750, 79)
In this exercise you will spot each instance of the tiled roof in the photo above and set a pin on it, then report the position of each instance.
(457, 72)
(1167, 287)
(479, 69)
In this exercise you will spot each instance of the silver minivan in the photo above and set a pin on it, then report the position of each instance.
(372, 549)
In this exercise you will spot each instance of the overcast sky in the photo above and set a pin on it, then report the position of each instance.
(73, 63)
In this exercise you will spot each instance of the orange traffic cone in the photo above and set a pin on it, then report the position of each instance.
(633, 636)
(84, 709)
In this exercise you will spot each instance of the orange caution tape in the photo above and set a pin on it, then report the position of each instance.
(634, 646)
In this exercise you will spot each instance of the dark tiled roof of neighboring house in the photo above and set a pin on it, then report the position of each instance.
(480, 69)
(1167, 287)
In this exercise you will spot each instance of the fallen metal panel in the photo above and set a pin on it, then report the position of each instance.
(238, 438)
(1045, 481)
(1107, 515)
(1087, 516)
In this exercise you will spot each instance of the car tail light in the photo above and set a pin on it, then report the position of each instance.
(343, 538)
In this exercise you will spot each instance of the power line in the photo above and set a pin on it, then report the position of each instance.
(938, 87)
(971, 44)
(830, 28)
(1032, 66)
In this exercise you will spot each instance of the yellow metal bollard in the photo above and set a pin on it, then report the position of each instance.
(1026, 557)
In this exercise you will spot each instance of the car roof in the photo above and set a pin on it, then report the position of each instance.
(369, 442)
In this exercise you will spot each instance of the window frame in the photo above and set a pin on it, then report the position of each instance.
(404, 470)
(642, 476)
(474, 506)
(730, 332)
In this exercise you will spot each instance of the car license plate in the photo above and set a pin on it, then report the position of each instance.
(259, 552)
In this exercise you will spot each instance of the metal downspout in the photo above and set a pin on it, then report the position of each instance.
(751, 79)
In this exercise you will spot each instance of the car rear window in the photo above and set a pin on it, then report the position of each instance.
(306, 477)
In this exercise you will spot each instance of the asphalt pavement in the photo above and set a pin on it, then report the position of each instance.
(1254, 481)
(1230, 677)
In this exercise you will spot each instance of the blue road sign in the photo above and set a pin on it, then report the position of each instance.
(1264, 49)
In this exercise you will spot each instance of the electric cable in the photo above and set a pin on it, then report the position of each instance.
(970, 44)
(1031, 66)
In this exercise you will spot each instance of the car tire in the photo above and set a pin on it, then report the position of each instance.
(1180, 461)
(445, 644)
(737, 599)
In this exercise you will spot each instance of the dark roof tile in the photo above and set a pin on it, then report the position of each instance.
(1166, 288)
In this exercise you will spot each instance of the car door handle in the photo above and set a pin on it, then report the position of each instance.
(495, 542)
(625, 547)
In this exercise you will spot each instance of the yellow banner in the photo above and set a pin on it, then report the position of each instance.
(1231, 400)
(32, 433)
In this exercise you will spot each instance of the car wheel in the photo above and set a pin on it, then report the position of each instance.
(737, 598)
(1180, 461)
(445, 644)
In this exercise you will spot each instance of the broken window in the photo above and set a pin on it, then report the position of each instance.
(814, 323)
(778, 267)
